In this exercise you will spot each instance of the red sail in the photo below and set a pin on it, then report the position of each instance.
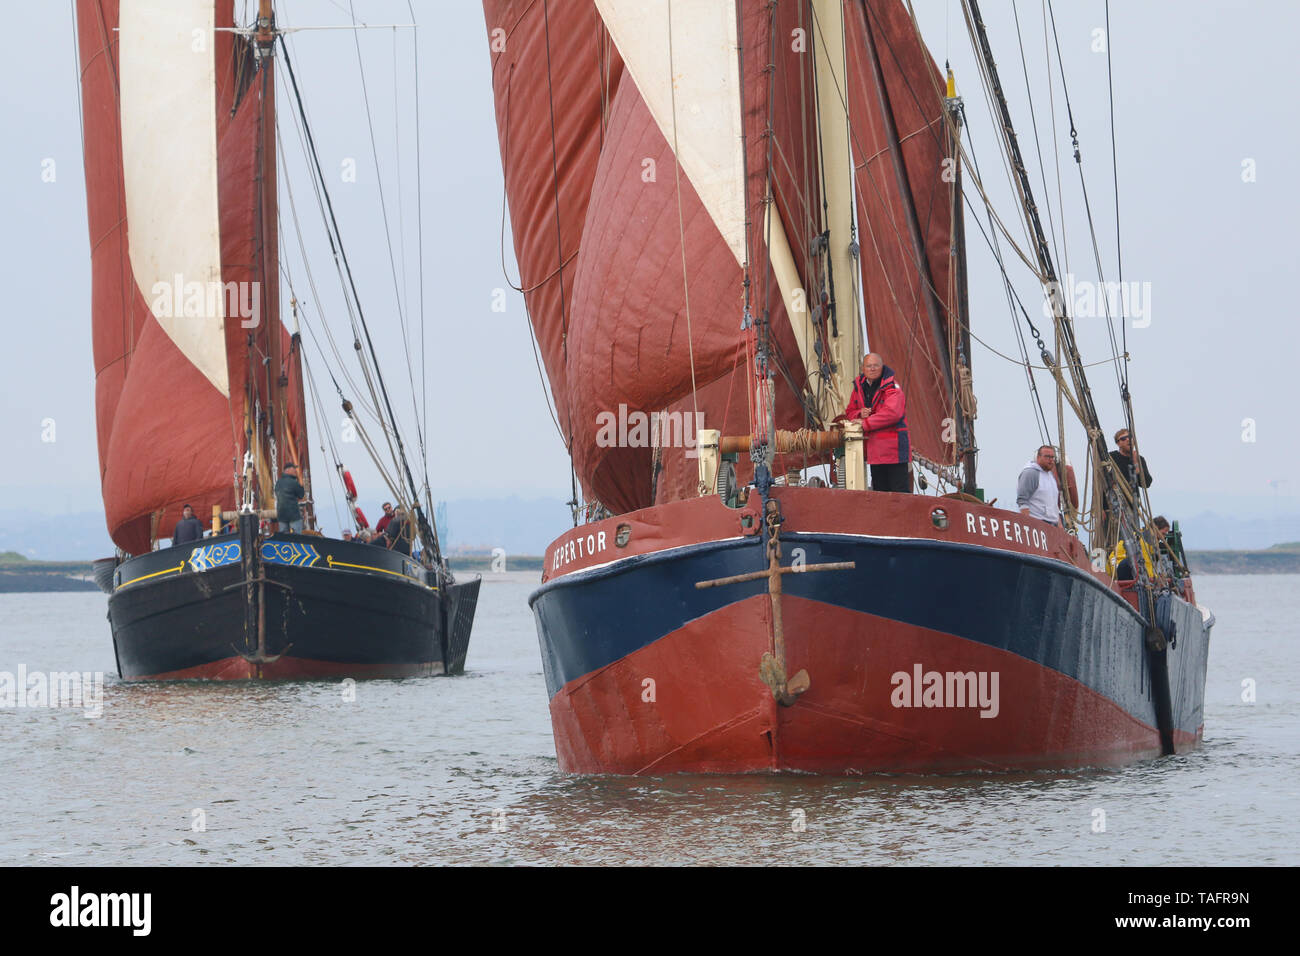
(625, 328)
(167, 435)
(615, 335)
(550, 135)
(906, 114)
(629, 312)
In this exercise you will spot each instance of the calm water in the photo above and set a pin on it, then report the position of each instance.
(463, 770)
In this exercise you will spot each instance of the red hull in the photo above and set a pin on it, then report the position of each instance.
(711, 712)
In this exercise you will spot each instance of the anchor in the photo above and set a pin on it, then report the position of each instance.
(772, 667)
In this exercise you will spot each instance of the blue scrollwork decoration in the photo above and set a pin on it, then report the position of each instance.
(289, 552)
(210, 556)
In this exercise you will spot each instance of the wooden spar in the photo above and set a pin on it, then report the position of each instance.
(269, 513)
(299, 398)
(755, 575)
(786, 442)
(264, 35)
(966, 452)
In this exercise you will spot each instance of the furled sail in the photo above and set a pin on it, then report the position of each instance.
(178, 132)
(904, 212)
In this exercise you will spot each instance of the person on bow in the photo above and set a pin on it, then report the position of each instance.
(398, 532)
(382, 525)
(288, 492)
(1156, 559)
(188, 529)
(1038, 493)
(879, 403)
(1135, 474)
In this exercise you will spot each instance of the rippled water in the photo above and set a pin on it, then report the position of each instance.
(463, 770)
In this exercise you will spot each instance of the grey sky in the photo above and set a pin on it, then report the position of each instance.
(1200, 89)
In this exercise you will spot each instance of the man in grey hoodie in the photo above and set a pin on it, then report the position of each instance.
(1037, 492)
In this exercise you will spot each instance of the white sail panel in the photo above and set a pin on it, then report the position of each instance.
(704, 69)
(837, 191)
(792, 294)
(169, 165)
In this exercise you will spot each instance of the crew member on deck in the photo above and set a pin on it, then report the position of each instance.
(188, 529)
(398, 532)
(382, 525)
(1134, 476)
(1123, 563)
(1038, 494)
(1123, 459)
(879, 403)
(288, 492)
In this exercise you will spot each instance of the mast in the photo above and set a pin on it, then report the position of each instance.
(271, 360)
(269, 428)
(763, 450)
(965, 416)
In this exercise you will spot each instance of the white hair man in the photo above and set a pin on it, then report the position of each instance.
(1038, 494)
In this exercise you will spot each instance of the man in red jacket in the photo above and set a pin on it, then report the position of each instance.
(878, 402)
(382, 526)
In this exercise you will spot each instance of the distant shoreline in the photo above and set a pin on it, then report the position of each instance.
(19, 577)
(486, 562)
(33, 578)
(1244, 562)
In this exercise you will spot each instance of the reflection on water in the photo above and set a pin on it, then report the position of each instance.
(463, 770)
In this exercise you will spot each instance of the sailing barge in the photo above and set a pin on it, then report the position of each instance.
(677, 172)
(285, 606)
(200, 386)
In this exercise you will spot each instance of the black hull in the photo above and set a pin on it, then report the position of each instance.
(353, 611)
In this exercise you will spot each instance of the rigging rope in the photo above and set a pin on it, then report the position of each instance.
(311, 281)
(419, 228)
(1013, 299)
(308, 147)
(388, 238)
(1038, 148)
(428, 531)
(1121, 372)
